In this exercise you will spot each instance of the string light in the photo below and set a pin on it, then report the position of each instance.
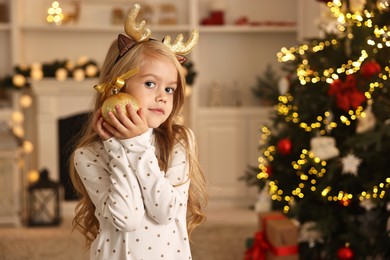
(55, 14)
(309, 169)
(323, 122)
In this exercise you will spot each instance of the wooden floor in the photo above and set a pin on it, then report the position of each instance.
(222, 237)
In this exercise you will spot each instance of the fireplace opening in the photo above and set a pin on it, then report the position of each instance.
(69, 130)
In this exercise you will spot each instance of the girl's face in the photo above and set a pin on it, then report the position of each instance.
(154, 86)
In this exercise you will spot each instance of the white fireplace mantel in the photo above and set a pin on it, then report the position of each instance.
(56, 100)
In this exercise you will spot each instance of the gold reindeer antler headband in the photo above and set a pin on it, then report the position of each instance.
(142, 34)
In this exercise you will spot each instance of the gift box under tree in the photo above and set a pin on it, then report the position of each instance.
(277, 239)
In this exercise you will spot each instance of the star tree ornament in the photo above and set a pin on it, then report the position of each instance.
(350, 164)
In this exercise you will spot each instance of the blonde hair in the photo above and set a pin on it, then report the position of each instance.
(166, 136)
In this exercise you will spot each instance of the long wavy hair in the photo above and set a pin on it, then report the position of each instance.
(166, 135)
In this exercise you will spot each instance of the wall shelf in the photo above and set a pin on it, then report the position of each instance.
(247, 29)
(96, 29)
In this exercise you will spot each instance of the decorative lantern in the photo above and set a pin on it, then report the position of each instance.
(44, 201)
(10, 176)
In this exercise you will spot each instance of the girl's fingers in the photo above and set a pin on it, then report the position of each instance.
(103, 132)
(117, 121)
(125, 126)
(135, 115)
(142, 115)
(121, 115)
(131, 111)
(97, 122)
(124, 117)
(95, 117)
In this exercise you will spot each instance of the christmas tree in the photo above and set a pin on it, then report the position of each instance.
(325, 158)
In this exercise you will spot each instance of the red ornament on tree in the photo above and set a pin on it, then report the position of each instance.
(268, 170)
(345, 253)
(370, 68)
(345, 202)
(284, 146)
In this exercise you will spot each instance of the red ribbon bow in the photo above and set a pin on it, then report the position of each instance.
(347, 94)
(259, 248)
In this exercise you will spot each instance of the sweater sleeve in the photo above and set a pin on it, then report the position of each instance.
(165, 194)
(111, 184)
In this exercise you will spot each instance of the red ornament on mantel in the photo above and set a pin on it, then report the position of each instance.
(370, 68)
(284, 146)
(345, 253)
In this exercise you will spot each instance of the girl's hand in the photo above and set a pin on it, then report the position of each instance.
(97, 123)
(125, 127)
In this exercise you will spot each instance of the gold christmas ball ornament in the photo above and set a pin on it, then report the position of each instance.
(121, 99)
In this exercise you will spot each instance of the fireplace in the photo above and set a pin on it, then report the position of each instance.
(69, 130)
(61, 109)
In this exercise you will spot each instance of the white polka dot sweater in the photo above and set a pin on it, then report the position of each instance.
(141, 210)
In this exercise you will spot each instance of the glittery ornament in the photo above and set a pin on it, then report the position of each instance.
(121, 99)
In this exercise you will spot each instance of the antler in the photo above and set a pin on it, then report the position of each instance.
(139, 34)
(178, 46)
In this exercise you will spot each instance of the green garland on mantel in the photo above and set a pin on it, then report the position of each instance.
(65, 69)
(190, 73)
(59, 69)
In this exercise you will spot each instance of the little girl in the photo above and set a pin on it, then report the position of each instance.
(142, 191)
